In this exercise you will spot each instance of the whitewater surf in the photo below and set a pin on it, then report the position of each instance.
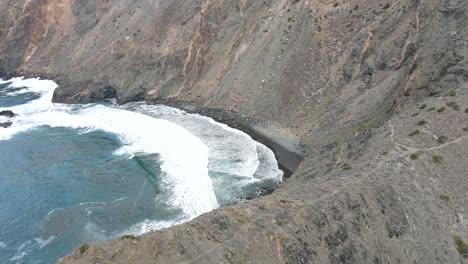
(191, 165)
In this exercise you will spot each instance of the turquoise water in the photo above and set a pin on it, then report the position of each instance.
(64, 189)
(76, 174)
(60, 188)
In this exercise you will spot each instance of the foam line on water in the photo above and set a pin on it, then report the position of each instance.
(184, 158)
(188, 145)
(232, 151)
(151, 225)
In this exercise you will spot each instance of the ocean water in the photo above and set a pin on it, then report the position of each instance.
(73, 174)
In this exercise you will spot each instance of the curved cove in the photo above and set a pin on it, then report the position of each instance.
(79, 173)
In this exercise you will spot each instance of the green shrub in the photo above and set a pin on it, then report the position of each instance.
(465, 129)
(444, 197)
(437, 159)
(347, 166)
(415, 114)
(462, 247)
(423, 106)
(440, 110)
(422, 123)
(131, 237)
(454, 105)
(442, 139)
(431, 109)
(414, 156)
(466, 110)
(452, 93)
(83, 248)
(414, 133)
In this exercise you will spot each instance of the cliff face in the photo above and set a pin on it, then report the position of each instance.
(348, 81)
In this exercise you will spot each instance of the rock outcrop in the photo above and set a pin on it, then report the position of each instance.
(373, 95)
(7, 113)
(6, 124)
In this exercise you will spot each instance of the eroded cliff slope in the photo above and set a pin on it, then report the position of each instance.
(373, 94)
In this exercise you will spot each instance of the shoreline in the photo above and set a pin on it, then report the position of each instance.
(288, 160)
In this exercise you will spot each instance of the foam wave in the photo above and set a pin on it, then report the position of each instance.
(184, 158)
(22, 251)
(43, 242)
(191, 147)
(2, 244)
(232, 151)
(151, 225)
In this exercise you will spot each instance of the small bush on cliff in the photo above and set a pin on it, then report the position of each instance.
(347, 166)
(440, 110)
(414, 133)
(414, 156)
(444, 197)
(462, 247)
(131, 237)
(83, 248)
(422, 123)
(454, 105)
(437, 159)
(442, 139)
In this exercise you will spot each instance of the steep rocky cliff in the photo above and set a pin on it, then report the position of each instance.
(371, 94)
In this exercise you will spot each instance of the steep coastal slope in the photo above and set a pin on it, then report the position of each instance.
(373, 95)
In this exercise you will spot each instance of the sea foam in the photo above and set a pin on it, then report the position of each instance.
(190, 147)
(184, 158)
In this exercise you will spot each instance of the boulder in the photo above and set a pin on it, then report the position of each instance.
(7, 113)
(6, 124)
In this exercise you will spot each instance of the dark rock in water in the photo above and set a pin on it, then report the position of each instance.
(6, 124)
(262, 191)
(7, 113)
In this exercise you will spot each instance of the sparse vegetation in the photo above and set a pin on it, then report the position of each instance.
(452, 92)
(465, 129)
(442, 139)
(414, 133)
(437, 159)
(422, 123)
(130, 237)
(444, 197)
(83, 248)
(466, 110)
(415, 114)
(347, 166)
(462, 247)
(423, 106)
(431, 109)
(414, 156)
(440, 110)
(453, 105)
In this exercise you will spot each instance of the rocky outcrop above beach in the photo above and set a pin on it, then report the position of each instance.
(371, 95)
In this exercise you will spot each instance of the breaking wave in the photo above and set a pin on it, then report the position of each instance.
(196, 153)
